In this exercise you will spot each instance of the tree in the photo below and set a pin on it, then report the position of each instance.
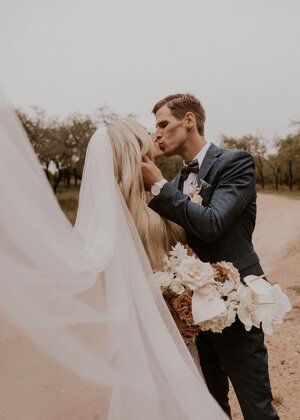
(274, 162)
(41, 133)
(63, 143)
(51, 142)
(289, 153)
(105, 115)
(169, 166)
(252, 144)
(81, 128)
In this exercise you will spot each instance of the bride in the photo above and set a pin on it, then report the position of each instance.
(84, 294)
(130, 142)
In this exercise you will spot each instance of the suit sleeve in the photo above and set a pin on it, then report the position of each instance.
(235, 188)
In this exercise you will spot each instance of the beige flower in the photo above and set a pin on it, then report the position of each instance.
(225, 270)
(183, 306)
(196, 198)
(187, 330)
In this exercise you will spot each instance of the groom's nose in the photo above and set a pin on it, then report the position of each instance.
(158, 134)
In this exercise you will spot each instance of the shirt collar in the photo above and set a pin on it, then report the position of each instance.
(201, 155)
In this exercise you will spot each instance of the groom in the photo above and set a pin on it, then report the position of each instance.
(220, 229)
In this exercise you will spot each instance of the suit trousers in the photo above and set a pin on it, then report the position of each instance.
(242, 357)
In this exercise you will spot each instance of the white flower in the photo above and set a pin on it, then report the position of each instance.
(283, 304)
(177, 287)
(263, 303)
(226, 288)
(206, 303)
(177, 256)
(206, 272)
(195, 274)
(162, 278)
(231, 312)
(247, 306)
(223, 320)
(178, 251)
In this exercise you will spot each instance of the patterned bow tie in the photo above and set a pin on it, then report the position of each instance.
(186, 170)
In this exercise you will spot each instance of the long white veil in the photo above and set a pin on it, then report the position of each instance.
(62, 286)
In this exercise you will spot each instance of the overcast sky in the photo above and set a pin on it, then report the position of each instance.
(240, 57)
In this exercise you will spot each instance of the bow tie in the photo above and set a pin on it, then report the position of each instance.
(187, 169)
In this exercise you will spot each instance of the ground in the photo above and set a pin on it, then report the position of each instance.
(277, 240)
(33, 387)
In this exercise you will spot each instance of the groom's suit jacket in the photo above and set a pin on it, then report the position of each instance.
(221, 228)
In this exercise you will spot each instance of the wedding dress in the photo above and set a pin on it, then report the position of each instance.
(47, 267)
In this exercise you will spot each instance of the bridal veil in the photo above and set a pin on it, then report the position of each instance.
(61, 285)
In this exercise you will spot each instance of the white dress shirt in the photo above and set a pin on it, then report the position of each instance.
(189, 183)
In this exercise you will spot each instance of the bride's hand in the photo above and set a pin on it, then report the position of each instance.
(151, 173)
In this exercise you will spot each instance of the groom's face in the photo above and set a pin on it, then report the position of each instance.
(171, 133)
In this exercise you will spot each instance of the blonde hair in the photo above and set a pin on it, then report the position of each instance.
(130, 142)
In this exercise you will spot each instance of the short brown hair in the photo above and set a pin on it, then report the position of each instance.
(180, 104)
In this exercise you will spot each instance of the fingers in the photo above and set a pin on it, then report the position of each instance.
(146, 159)
(145, 163)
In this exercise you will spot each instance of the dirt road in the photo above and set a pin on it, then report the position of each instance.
(32, 387)
(277, 242)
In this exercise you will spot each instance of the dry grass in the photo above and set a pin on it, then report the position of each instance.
(68, 200)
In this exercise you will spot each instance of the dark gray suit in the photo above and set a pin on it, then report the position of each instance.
(221, 230)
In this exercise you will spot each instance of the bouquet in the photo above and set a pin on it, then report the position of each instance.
(204, 296)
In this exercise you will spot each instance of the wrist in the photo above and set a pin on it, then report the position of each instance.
(157, 186)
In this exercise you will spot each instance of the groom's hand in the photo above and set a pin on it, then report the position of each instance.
(151, 173)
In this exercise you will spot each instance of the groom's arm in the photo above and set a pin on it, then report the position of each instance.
(234, 190)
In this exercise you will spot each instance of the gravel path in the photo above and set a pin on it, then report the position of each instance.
(32, 387)
(277, 241)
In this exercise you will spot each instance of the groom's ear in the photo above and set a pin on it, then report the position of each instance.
(190, 120)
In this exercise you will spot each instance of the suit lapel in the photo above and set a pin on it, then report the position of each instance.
(211, 156)
(176, 180)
